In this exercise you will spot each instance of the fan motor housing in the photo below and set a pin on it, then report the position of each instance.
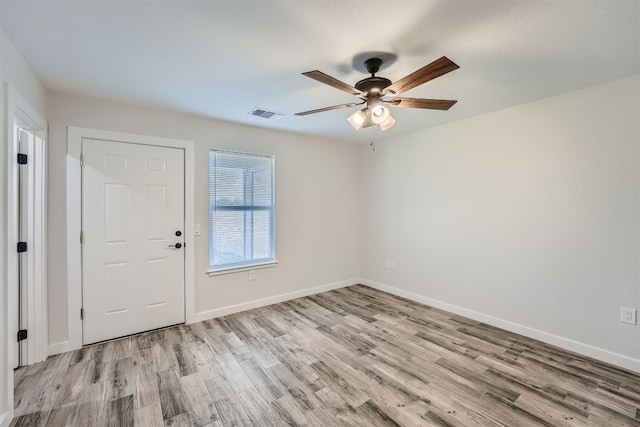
(372, 84)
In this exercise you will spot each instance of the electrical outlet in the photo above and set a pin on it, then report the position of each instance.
(390, 264)
(252, 275)
(628, 315)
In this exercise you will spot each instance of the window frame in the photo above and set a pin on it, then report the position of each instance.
(254, 263)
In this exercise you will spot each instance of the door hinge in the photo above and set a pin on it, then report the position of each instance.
(81, 160)
(22, 335)
(22, 159)
(22, 247)
(81, 313)
(81, 237)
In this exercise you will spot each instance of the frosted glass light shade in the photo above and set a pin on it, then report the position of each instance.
(387, 123)
(357, 119)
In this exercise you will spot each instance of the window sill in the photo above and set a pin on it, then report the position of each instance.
(232, 270)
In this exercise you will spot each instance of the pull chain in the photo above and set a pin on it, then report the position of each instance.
(372, 141)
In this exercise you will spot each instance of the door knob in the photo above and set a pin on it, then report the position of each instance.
(178, 245)
(178, 233)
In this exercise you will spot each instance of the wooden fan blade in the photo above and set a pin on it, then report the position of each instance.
(334, 107)
(431, 104)
(437, 68)
(333, 82)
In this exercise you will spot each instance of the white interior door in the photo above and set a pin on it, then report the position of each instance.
(132, 238)
(25, 234)
(31, 229)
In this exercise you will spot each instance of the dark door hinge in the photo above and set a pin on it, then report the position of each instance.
(22, 159)
(22, 335)
(22, 247)
(81, 313)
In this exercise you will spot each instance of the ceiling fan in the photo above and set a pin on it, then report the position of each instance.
(373, 90)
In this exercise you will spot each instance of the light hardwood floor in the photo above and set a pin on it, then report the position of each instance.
(349, 357)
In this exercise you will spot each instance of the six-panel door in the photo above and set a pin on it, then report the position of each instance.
(133, 229)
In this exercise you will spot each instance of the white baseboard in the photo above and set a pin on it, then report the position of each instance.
(223, 311)
(562, 342)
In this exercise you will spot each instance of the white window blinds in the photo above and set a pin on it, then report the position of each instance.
(242, 210)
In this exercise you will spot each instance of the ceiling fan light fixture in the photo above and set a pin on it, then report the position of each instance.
(387, 123)
(357, 119)
(372, 91)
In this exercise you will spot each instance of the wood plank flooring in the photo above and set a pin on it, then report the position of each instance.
(349, 357)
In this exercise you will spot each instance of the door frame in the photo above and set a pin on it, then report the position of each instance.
(19, 112)
(75, 135)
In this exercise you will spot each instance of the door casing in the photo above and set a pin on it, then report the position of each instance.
(34, 306)
(14, 108)
(75, 136)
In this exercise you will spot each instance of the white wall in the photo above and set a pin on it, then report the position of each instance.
(317, 240)
(527, 218)
(14, 71)
(19, 75)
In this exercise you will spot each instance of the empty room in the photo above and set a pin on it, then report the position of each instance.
(320, 213)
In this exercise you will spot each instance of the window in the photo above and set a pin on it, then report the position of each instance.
(242, 210)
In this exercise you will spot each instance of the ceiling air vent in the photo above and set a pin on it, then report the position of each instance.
(265, 114)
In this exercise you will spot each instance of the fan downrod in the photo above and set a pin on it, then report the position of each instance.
(373, 65)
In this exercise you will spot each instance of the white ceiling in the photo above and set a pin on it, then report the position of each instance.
(220, 58)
